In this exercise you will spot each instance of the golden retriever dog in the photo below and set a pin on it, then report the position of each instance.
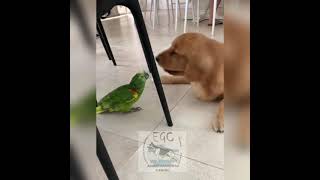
(196, 59)
(215, 70)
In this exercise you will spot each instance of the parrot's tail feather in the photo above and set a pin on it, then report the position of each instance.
(99, 110)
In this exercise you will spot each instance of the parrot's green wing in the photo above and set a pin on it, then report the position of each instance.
(119, 99)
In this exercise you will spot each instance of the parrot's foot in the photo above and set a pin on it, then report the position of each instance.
(135, 109)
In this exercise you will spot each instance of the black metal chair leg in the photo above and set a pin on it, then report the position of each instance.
(104, 41)
(104, 158)
(134, 6)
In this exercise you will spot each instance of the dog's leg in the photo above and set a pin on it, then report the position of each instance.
(218, 123)
(206, 93)
(174, 80)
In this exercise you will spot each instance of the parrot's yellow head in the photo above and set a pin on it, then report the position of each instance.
(139, 80)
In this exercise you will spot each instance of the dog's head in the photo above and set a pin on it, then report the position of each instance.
(190, 55)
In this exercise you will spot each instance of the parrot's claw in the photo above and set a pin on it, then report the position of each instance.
(135, 109)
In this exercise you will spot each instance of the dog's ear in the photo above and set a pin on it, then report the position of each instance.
(198, 68)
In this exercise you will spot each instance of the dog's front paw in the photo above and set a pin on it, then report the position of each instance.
(218, 123)
(218, 126)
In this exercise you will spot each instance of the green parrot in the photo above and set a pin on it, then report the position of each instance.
(123, 98)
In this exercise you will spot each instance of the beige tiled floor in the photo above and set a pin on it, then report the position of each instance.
(205, 148)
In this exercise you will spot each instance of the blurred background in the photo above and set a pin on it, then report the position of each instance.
(82, 90)
(237, 155)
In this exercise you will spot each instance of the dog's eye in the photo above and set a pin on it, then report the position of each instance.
(173, 53)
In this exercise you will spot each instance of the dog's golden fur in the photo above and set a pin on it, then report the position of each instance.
(196, 59)
(237, 72)
(213, 69)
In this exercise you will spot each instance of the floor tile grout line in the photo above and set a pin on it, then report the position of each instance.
(124, 162)
(120, 135)
(139, 146)
(180, 99)
(142, 143)
(217, 167)
(163, 118)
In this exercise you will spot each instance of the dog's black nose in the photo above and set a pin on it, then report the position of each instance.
(157, 59)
